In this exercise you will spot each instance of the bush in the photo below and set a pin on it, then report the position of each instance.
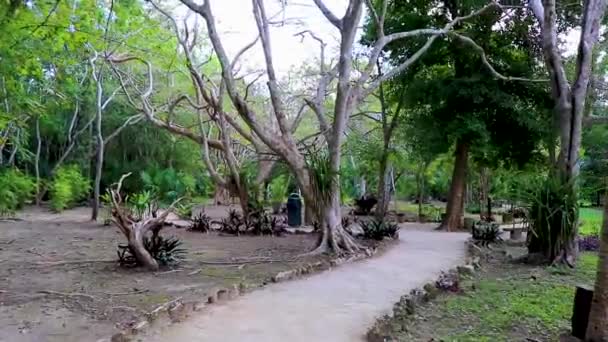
(16, 189)
(378, 229)
(486, 233)
(201, 223)
(68, 187)
(168, 185)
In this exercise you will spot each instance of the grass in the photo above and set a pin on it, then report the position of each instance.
(590, 221)
(509, 303)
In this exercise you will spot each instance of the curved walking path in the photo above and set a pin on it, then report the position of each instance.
(335, 306)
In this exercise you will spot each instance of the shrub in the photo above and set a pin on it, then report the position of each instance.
(68, 187)
(201, 223)
(486, 233)
(168, 185)
(166, 251)
(378, 229)
(16, 189)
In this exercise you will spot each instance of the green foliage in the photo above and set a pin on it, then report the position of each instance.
(553, 215)
(541, 304)
(142, 204)
(68, 187)
(16, 189)
(322, 178)
(278, 189)
(168, 185)
(378, 229)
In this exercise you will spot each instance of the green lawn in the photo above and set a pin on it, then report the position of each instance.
(591, 221)
(509, 302)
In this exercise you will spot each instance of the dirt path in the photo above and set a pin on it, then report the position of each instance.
(332, 306)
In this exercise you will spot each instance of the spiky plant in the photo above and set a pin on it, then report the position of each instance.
(553, 217)
(201, 223)
(486, 233)
(322, 178)
(378, 229)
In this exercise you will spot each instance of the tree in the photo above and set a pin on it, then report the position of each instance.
(569, 102)
(459, 101)
(349, 93)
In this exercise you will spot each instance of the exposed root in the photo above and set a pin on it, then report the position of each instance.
(336, 241)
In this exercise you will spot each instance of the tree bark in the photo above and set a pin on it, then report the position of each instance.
(420, 187)
(37, 160)
(597, 329)
(100, 149)
(135, 240)
(455, 205)
(383, 188)
(484, 189)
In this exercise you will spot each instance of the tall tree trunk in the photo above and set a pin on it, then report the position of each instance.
(37, 160)
(597, 329)
(455, 205)
(100, 150)
(98, 172)
(420, 188)
(383, 186)
(484, 189)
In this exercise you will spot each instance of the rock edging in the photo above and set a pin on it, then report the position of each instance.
(403, 311)
(177, 310)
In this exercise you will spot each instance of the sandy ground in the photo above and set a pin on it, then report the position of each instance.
(336, 306)
(45, 302)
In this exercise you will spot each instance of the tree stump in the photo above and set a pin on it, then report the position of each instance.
(580, 312)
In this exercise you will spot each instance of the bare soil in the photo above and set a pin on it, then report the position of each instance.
(59, 279)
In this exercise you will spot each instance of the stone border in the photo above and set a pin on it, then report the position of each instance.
(177, 310)
(405, 309)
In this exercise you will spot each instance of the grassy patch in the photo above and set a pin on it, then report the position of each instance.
(590, 221)
(509, 303)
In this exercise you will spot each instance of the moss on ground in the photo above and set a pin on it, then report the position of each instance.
(505, 302)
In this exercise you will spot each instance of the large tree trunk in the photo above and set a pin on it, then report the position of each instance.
(597, 329)
(98, 172)
(484, 190)
(136, 242)
(455, 205)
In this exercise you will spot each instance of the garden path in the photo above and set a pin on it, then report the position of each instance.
(337, 306)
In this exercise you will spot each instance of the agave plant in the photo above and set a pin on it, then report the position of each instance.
(201, 223)
(486, 233)
(378, 229)
(166, 251)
